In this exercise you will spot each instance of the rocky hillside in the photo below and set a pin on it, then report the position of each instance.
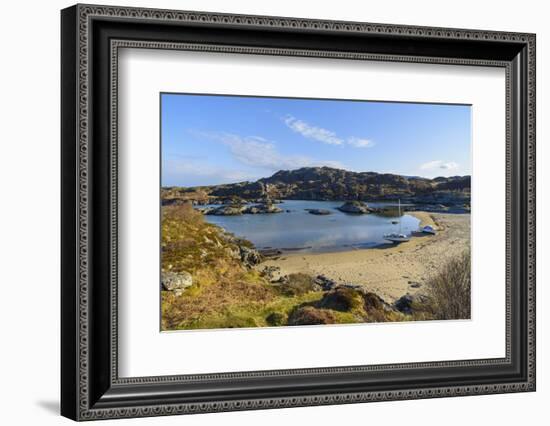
(325, 183)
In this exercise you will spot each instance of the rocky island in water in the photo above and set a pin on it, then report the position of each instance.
(329, 184)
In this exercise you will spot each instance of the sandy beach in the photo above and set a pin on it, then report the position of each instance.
(389, 270)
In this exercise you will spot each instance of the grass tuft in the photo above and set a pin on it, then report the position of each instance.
(449, 291)
(342, 299)
(297, 285)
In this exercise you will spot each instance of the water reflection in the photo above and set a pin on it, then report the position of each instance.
(300, 229)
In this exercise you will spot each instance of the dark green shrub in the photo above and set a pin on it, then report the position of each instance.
(276, 319)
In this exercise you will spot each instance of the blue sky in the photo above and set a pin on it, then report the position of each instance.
(209, 140)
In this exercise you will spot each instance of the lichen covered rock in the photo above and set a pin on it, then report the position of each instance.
(176, 281)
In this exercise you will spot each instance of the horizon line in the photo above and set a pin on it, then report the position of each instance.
(320, 167)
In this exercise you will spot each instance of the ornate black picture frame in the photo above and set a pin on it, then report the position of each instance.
(91, 37)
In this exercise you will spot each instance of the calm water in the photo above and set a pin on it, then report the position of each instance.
(299, 229)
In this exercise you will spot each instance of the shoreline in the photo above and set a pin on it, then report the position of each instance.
(424, 217)
(389, 270)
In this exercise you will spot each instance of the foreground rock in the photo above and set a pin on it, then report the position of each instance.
(324, 282)
(249, 256)
(354, 207)
(408, 303)
(176, 281)
(271, 273)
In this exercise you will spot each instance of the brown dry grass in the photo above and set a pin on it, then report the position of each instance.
(450, 289)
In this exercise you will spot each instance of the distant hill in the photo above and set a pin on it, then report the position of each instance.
(326, 183)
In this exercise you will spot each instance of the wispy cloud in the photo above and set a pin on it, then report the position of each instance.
(198, 172)
(312, 132)
(439, 164)
(259, 152)
(324, 135)
(360, 142)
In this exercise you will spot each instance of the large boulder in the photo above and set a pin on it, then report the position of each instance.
(325, 283)
(354, 207)
(271, 273)
(408, 303)
(176, 282)
(249, 256)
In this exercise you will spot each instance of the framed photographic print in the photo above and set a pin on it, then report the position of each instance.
(263, 212)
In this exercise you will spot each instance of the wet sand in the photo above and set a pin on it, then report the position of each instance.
(388, 270)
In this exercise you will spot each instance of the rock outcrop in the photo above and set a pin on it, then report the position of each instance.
(354, 207)
(235, 210)
(176, 281)
(408, 303)
(249, 256)
(326, 183)
(319, 212)
(325, 283)
(227, 211)
(262, 209)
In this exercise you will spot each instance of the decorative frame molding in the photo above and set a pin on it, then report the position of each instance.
(91, 388)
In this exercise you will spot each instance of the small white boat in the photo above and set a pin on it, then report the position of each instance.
(397, 237)
(429, 230)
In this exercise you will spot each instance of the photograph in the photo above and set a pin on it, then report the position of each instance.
(279, 211)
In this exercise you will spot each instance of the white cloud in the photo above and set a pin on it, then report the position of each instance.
(360, 142)
(439, 164)
(258, 152)
(201, 173)
(324, 135)
(312, 132)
